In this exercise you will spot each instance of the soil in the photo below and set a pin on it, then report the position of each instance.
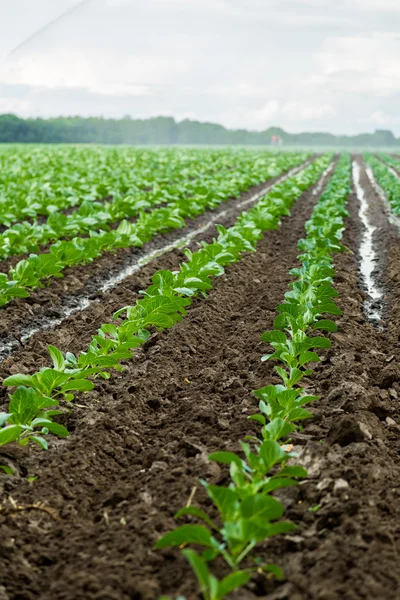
(85, 528)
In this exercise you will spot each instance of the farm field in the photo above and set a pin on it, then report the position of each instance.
(151, 301)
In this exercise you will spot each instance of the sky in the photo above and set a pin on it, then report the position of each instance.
(304, 65)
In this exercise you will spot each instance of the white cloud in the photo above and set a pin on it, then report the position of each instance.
(15, 105)
(381, 119)
(360, 64)
(300, 64)
(96, 70)
(263, 115)
(294, 111)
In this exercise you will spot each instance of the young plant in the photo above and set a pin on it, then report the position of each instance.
(247, 514)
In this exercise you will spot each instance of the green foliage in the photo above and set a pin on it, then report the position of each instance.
(387, 180)
(187, 182)
(165, 130)
(310, 297)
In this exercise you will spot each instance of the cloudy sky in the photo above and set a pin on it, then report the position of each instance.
(331, 65)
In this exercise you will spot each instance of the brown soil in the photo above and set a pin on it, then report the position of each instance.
(139, 444)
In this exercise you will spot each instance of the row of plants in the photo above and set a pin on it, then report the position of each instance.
(244, 513)
(40, 397)
(39, 180)
(28, 236)
(387, 180)
(29, 273)
(389, 160)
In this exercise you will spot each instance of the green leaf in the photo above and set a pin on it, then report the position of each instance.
(119, 312)
(109, 328)
(193, 511)
(274, 336)
(278, 483)
(327, 306)
(18, 292)
(57, 358)
(232, 582)
(4, 417)
(271, 453)
(293, 471)
(163, 278)
(296, 414)
(49, 379)
(20, 379)
(224, 498)
(277, 571)
(279, 321)
(9, 434)
(185, 291)
(261, 507)
(306, 357)
(318, 342)
(71, 358)
(24, 405)
(290, 308)
(225, 458)
(57, 429)
(325, 325)
(295, 376)
(7, 470)
(278, 428)
(281, 527)
(159, 320)
(199, 567)
(259, 418)
(186, 534)
(40, 441)
(78, 385)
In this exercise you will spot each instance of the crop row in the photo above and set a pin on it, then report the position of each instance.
(389, 160)
(91, 216)
(248, 513)
(41, 181)
(36, 400)
(387, 180)
(29, 272)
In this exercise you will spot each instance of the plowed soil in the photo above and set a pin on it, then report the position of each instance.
(85, 528)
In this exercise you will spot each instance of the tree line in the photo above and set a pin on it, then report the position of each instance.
(165, 130)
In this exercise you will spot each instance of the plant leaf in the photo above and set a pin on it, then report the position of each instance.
(78, 385)
(186, 534)
(9, 434)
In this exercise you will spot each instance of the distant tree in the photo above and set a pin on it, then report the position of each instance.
(165, 130)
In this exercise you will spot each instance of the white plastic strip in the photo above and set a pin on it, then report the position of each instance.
(368, 256)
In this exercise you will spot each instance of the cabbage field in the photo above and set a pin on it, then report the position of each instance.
(200, 381)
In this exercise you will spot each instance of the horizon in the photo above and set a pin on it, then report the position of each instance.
(131, 118)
